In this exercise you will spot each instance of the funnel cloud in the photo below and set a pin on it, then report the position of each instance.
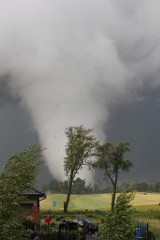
(71, 62)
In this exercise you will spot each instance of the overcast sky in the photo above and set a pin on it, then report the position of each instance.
(66, 63)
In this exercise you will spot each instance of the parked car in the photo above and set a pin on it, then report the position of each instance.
(68, 225)
(86, 224)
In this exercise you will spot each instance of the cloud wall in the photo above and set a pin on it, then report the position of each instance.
(71, 61)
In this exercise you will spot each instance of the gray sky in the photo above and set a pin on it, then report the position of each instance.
(138, 123)
(71, 62)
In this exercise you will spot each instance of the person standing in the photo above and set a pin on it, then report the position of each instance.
(48, 219)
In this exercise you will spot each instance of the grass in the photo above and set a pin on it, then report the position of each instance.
(142, 202)
(143, 199)
(80, 202)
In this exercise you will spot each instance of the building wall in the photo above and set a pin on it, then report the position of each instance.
(31, 208)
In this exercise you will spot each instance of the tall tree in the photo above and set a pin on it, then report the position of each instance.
(19, 174)
(79, 149)
(110, 159)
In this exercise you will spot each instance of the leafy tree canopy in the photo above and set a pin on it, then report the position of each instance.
(110, 159)
(19, 174)
(79, 149)
(118, 224)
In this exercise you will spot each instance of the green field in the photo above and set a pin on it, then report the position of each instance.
(142, 201)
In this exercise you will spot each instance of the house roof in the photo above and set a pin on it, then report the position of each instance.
(34, 192)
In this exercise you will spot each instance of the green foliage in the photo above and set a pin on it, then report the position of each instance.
(79, 149)
(79, 186)
(110, 158)
(56, 186)
(140, 186)
(118, 224)
(19, 174)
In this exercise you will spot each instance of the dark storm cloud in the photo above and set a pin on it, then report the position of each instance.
(74, 62)
(15, 128)
(138, 123)
(5, 95)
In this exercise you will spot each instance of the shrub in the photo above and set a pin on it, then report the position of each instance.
(118, 224)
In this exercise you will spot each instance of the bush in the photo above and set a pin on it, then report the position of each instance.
(118, 224)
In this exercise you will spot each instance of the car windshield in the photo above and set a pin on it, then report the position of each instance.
(87, 220)
(75, 220)
(81, 220)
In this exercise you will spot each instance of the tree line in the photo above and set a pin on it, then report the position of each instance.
(81, 187)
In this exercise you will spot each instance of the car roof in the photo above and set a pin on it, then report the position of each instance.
(81, 219)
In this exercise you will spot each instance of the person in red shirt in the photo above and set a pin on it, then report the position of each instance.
(48, 219)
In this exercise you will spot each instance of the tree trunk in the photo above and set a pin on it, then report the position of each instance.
(113, 199)
(114, 192)
(66, 203)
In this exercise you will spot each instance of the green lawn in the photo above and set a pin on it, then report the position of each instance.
(80, 202)
(142, 201)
